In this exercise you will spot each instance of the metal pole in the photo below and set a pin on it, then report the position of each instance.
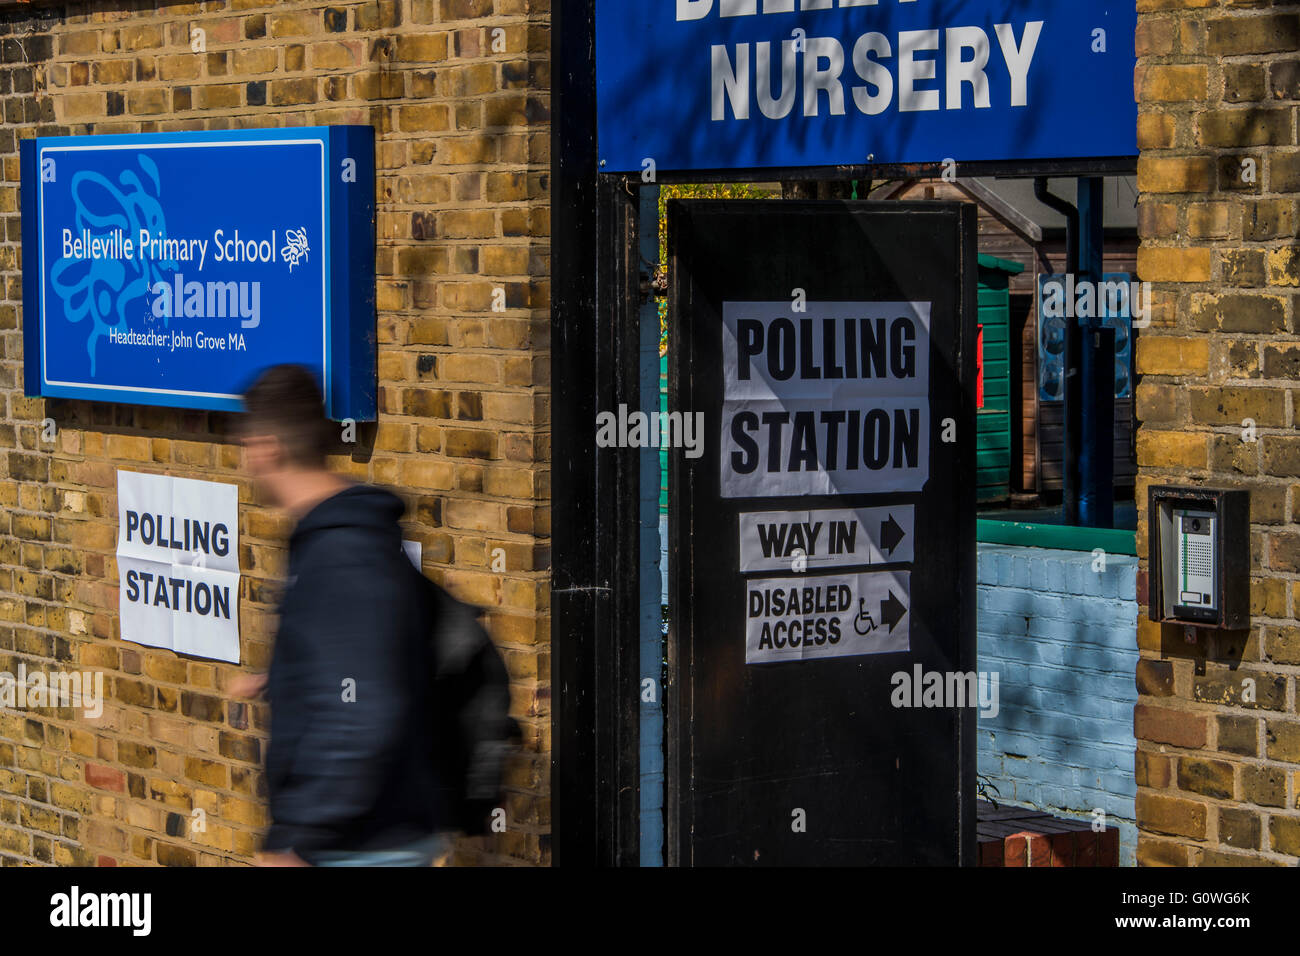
(651, 750)
(1073, 347)
(1096, 371)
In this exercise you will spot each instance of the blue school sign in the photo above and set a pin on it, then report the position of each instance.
(172, 268)
(738, 84)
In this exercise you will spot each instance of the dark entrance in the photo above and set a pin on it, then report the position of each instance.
(804, 757)
(600, 283)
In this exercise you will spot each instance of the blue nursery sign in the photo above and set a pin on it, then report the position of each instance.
(172, 268)
(744, 84)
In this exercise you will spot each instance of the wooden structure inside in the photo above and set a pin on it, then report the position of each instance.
(1006, 233)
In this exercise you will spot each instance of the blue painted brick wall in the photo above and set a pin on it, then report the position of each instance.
(1063, 640)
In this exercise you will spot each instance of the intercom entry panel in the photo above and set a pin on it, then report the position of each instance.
(1195, 569)
(1200, 561)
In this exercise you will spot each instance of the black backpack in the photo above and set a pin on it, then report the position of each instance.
(473, 732)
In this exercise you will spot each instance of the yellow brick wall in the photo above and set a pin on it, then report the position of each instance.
(1218, 761)
(457, 93)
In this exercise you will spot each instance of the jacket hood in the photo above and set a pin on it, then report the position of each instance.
(359, 507)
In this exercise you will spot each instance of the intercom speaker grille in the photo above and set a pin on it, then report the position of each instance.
(1200, 558)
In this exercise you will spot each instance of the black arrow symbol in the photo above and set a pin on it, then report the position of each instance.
(890, 534)
(892, 611)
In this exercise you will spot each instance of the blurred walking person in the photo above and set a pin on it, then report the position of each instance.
(350, 769)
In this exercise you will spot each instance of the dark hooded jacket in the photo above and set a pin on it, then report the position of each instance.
(348, 766)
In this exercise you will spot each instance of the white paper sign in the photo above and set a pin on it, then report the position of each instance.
(830, 400)
(178, 564)
(840, 615)
(813, 540)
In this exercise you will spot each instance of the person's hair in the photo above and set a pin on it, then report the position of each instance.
(286, 402)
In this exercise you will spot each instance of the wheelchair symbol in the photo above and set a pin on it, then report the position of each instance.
(863, 615)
